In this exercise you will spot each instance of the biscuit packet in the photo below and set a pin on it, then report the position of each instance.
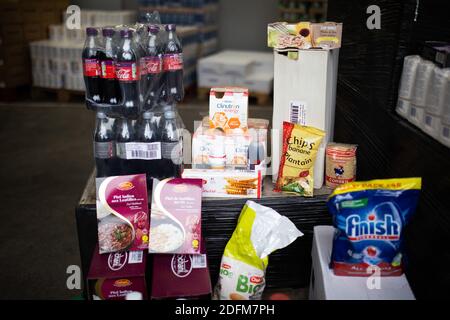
(300, 146)
(259, 232)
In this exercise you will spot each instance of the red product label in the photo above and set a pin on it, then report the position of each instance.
(339, 180)
(91, 68)
(173, 62)
(108, 69)
(127, 71)
(151, 65)
(360, 269)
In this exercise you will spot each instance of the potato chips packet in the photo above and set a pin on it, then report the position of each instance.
(300, 145)
(259, 232)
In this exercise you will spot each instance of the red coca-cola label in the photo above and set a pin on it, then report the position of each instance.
(91, 68)
(127, 71)
(151, 65)
(108, 69)
(173, 62)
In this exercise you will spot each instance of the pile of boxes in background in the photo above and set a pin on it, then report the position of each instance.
(188, 14)
(23, 21)
(424, 94)
(56, 61)
(248, 69)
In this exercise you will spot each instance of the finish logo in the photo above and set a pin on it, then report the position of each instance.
(372, 229)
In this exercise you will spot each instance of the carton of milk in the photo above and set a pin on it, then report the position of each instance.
(228, 108)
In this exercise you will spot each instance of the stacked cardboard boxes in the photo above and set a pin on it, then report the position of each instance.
(23, 21)
(249, 69)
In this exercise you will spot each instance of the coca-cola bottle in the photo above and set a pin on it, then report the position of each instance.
(171, 147)
(111, 93)
(127, 73)
(91, 66)
(149, 147)
(104, 147)
(172, 67)
(124, 147)
(152, 66)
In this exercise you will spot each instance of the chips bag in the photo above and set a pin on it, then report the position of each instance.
(260, 231)
(300, 145)
(369, 218)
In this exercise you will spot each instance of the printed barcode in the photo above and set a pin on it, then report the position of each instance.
(135, 257)
(198, 261)
(294, 114)
(153, 146)
(143, 154)
(297, 112)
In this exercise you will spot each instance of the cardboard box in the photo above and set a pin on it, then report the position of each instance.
(175, 224)
(122, 213)
(228, 107)
(113, 276)
(181, 276)
(283, 36)
(228, 183)
(296, 84)
(325, 285)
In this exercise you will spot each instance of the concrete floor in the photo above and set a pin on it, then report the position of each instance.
(46, 160)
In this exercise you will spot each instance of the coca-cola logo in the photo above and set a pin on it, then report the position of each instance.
(117, 260)
(152, 66)
(123, 73)
(181, 265)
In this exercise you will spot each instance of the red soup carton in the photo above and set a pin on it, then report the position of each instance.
(175, 222)
(122, 213)
(113, 276)
(181, 276)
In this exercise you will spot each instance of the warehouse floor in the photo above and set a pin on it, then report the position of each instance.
(45, 162)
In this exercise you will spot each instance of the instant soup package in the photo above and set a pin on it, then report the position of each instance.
(259, 232)
(122, 213)
(300, 146)
(370, 218)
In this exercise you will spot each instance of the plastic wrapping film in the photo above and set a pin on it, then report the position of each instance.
(132, 69)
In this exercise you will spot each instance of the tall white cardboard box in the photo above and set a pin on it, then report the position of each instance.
(304, 92)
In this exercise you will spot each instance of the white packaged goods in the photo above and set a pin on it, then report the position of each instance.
(446, 108)
(208, 80)
(403, 107)
(444, 134)
(236, 68)
(440, 86)
(422, 83)
(261, 82)
(296, 84)
(416, 115)
(408, 76)
(431, 124)
(228, 183)
(325, 285)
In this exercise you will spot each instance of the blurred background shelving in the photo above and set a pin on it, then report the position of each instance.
(303, 10)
